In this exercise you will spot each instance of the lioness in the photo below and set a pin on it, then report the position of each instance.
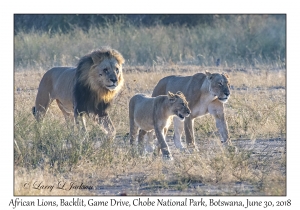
(85, 90)
(154, 113)
(206, 93)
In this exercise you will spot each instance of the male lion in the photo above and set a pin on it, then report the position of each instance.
(155, 114)
(87, 89)
(205, 93)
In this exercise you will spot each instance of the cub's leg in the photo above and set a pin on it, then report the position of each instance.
(162, 144)
(189, 132)
(178, 129)
(149, 141)
(132, 135)
(133, 132)
(133, 126)
(141, 144)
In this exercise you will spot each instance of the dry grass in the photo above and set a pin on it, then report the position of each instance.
(256, 110)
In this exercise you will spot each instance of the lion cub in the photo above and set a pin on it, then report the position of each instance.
(155, 113)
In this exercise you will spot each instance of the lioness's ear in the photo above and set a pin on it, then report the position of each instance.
(170, 94)
(226, 75)
(179, 93)
(171, 97)
(208, 74)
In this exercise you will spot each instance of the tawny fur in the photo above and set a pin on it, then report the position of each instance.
(206, 93)
(155, 113)
(87, 89)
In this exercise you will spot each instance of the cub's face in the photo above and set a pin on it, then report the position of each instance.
(109, 73)
(179, 105)
(219, 86)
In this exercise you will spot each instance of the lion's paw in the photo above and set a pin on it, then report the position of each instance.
(231, 149)
(167, 157)
(192, 148)
(166, 154)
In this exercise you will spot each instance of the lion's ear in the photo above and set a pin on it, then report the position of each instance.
(95, 58)
(208, 74)
(171, 97)
(108, 54)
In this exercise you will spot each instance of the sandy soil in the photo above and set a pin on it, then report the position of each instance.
(271, 150)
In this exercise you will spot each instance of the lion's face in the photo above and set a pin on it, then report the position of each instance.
(179, 105)
(219, 86)
(108, 73)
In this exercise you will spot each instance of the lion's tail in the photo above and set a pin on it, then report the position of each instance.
(33, 111)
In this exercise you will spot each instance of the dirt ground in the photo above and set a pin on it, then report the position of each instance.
(270, 150)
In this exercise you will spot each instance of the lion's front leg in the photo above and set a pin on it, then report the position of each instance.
(216, 109)
(106, 122)
(80, 121)
(222, 128)
(162, 144)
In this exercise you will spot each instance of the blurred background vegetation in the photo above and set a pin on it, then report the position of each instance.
(46, 40)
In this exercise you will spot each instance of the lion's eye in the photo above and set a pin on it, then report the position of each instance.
(220, 84)
(105, 70)
(117, 70)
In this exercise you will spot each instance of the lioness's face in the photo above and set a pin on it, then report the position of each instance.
(179, 105)
(109, 73)
(219, 86)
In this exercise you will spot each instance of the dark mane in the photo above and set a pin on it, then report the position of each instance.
(84, 63)
(86, 101)
(88, 97)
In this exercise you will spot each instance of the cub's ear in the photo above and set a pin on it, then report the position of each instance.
(171, 97)
(208, 75)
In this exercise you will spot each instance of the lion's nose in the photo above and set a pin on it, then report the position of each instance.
(114, 80)
(227, 93)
